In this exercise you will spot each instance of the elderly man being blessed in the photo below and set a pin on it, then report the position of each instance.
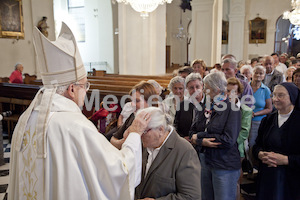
(171, 168)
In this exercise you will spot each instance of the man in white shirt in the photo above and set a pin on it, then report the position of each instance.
(57, 153)
(281, 67)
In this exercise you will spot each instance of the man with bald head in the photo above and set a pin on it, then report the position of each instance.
(273, 76)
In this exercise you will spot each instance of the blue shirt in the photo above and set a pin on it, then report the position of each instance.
(261, 95)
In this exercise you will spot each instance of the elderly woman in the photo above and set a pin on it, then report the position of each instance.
(140, 95)
(277, 147)
(247, 71)
(289, 74)
(171, 169)
(199, 66)
(214, 132)
(263, 104)
(176, 86)
(185, 115)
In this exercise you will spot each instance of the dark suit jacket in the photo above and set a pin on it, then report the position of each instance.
(184, 118)
(276, 78)
(174, 173)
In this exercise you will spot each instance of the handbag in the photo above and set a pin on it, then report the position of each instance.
(246, 164)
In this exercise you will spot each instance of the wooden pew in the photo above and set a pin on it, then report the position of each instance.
(118, 82)
(156, 77)
(16, 98)
(137, 80)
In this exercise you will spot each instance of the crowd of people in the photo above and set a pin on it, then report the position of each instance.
(190, 145)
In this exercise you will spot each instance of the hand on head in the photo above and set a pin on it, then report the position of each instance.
(139, 124)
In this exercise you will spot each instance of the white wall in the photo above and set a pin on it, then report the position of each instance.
(178, 47)
(98, 45)
(142, 42)
(269, 10)
(23, 50)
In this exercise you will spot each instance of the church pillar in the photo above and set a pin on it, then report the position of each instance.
(206, 30)
(217, 32)
(142, 42)
(236, 28)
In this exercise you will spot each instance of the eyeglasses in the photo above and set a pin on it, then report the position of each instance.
(85, 85)
(278, 96)
(146, 131)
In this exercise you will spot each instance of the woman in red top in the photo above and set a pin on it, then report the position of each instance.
(16, 76)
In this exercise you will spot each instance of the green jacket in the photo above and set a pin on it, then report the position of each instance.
(245, 128)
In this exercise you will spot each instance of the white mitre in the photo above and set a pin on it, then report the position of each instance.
(59, 61)
(60, 64)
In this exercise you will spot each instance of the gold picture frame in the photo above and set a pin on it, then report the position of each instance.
(257, 30)
(11, 19)
(225, 28)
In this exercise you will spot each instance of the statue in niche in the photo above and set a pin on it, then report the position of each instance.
(42, 26)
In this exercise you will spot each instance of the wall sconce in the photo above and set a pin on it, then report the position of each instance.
(16, 40)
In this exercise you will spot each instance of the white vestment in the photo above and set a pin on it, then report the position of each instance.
(80, 162)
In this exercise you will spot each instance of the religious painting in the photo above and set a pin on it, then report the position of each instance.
(225, 28)
(257, 30)
(11, 19)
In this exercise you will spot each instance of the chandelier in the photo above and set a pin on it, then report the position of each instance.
(144, 6)
(293, 16)
(181, 33)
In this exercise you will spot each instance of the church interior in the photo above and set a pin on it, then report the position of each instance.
(120, 47)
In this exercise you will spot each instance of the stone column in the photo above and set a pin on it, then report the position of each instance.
(236, 28)
(206, 30)
(142, 42)
(217, 32)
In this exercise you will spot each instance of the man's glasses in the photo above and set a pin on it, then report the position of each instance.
(146, 131)
(85, 85)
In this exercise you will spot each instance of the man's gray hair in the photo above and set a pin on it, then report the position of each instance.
(232, 62)
(62, 89)
(244, 67)
(216, 81)
(176, 79)
(158, 118)
(192, 77)
(259, 67)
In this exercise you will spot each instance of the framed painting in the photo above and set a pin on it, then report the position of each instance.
(257, 30)
(11, 19)
(225, 28)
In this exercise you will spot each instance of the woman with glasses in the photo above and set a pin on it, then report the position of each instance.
(263, 105)
(277, 147)
(176, 86)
